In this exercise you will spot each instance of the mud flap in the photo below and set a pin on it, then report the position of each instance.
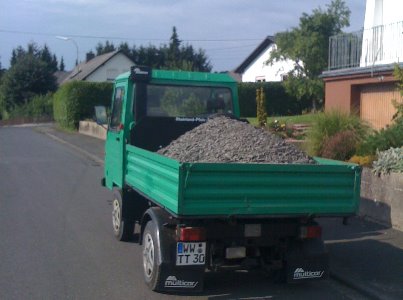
(307, 260)
(186, 280)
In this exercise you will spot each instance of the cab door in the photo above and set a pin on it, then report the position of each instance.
(115, 146)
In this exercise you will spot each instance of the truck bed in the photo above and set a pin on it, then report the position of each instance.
(328, 188)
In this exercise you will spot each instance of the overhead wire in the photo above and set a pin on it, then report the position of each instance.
(126, 38)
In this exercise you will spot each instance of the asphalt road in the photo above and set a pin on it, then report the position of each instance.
(56, 238)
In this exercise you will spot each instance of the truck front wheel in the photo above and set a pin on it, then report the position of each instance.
(152, 269)
(122, 229)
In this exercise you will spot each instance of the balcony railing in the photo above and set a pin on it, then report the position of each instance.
(374, 46)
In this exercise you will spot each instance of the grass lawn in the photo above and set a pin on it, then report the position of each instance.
(289, 120)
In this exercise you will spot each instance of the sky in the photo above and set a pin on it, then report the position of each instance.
(228, 30)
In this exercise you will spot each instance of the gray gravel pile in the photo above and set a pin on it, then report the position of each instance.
(222, 139)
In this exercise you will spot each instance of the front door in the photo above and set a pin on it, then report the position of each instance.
(115, 140)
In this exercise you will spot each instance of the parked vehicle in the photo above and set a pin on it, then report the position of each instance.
(198, 216)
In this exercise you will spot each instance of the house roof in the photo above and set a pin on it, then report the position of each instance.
(85, 69)
(360, 70)
(258, 51)
(61, 76)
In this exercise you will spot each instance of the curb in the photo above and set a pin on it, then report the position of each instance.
(82, 151)
(25, 125)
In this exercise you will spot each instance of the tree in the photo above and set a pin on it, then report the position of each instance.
(173, 56)
(30, 74)
(308, 46)
(185, 58)
(124, 47)
(47, 57)
(34, 50)
(17, 53)
(173, 49)
(102, 49)
(62, 66)
(398, 116)
(1, 71)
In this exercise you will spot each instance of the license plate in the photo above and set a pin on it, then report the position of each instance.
(190, 253)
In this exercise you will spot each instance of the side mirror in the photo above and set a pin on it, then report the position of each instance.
(101, 115)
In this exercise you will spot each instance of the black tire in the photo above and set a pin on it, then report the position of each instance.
(122, 229)
(151, 250)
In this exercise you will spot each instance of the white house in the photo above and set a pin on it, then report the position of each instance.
(255, 68)
(101, 68)
(382, 41)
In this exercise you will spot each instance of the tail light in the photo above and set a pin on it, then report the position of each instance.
(310, 232)
(191, 234)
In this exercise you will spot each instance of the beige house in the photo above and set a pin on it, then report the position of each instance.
(101, 68)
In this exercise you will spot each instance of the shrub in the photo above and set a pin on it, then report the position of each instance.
(40, 107)
(365, 161)
(340, 146)
(261, 107)
(390, 137)
(328, 124)
(75, 101)
(278, 102)
(389, 161)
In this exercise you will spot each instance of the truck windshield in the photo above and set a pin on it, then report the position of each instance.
(187, 101)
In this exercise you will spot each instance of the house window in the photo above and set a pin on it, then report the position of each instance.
(284, 77)
(260, 79)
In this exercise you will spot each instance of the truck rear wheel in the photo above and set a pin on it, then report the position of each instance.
(122, 229)
(151, 250)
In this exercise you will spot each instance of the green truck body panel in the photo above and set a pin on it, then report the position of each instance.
(224, 189)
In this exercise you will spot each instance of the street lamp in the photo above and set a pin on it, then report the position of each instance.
(65, 38)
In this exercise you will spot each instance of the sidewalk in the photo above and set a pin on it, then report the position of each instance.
(363, 254)
(366, 256)
(93, 147)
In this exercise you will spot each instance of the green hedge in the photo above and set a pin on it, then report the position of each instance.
(75, 101)
(278, 102)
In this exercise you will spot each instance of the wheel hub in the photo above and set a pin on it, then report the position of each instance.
(116, 215)
(148, 255)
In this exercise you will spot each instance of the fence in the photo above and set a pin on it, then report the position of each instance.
(378, 45)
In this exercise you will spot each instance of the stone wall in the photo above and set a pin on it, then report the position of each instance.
(92, 129)
(382, 198)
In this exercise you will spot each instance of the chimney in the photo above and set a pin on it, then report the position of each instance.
(90, 55)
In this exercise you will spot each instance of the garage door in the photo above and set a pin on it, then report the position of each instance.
(376, 104)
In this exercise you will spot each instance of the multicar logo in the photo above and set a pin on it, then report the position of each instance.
(299, 273)
(173, 282)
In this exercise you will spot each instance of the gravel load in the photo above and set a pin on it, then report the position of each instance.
(223, 139)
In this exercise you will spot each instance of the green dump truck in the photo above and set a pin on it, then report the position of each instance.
(194, 217)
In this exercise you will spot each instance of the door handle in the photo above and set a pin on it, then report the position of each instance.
(118, 139)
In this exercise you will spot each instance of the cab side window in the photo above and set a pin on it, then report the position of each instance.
(116, 117)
